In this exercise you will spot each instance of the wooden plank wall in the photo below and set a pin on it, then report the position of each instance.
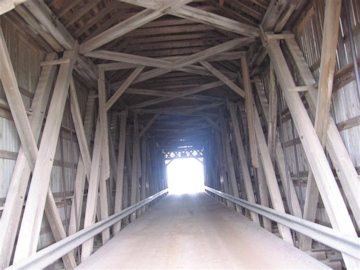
(26, 59)
(345, 108)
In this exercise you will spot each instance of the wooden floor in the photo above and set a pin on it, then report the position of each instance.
(196, 232)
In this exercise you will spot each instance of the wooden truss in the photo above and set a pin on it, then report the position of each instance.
(238, 158)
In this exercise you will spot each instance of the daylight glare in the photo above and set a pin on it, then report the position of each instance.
(185, 176)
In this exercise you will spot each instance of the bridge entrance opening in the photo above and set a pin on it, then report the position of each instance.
(185, 176)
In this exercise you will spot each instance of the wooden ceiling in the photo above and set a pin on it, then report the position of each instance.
(153, 50)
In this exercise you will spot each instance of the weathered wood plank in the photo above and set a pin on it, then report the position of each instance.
(128, 25)
(79, 128)
(16, 103)
(92, 197)
(120, 170)
(333, 201)
(10, 217)
(243, 161)
(135, 166)
(279, 157)
(148, 125)
(76, 206)
(33, 213)
(203, 17)
(249, 112)
(123, 87)
(270, 176)
(334, 143)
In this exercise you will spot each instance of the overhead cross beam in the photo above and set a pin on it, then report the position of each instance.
(128, 25)
(200, 16)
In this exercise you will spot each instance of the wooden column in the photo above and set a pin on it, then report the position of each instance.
(230, 164)
(334, 145)
(79, 129)
(78, 198)
(143, 170)
(291, 198)
(263, 189)
(272, 112)
(243, 162)
(120, 169)
(105, 156)
(134, 172)
(13, 96)
(270, 176)
(330, 193)
(92, 197)
(34, 209)
(10, 218)
(264, 195)
(249, 112)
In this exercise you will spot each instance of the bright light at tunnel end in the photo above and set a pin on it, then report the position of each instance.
(185, 176)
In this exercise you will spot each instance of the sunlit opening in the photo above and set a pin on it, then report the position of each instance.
(185, 176)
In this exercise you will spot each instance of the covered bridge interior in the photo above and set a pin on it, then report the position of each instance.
(98, 95)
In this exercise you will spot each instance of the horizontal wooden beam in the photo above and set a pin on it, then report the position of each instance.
(201, 16)
(177, 95)
(224, 79)
(123, 87)
(128, 25)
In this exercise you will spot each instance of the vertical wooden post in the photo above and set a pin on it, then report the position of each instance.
(249, 112)
(92, 197)
(13, 96)
(263, 189)
(134, 172)
(10, 218)
(334, 145)
(78, 198)
(333, 201)
(120, 169)
(104, 207)
(291, 198)
(57, 228)
(105, 161)
(143, 170)
(270, 176)
(79, 128)
(230, 164)
(264, 195)
(34, 209)
(272, 119)
(243, 162)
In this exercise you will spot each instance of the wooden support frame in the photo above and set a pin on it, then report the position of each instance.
(176, 95)
(148, 125)
(201, 16)
(123, 87)
(135, 166)
(76, 206)
(272, 111)
(120, 170)
(34, 209)
(92, 197)
(249, 112)
(243, 161)
(10, 218)
(79, 128)
(224, 79)
(279, 156)
(322, 114)
(334, 143)
(128, 25)
(270, 176)
(333, 201)
(13, 96)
